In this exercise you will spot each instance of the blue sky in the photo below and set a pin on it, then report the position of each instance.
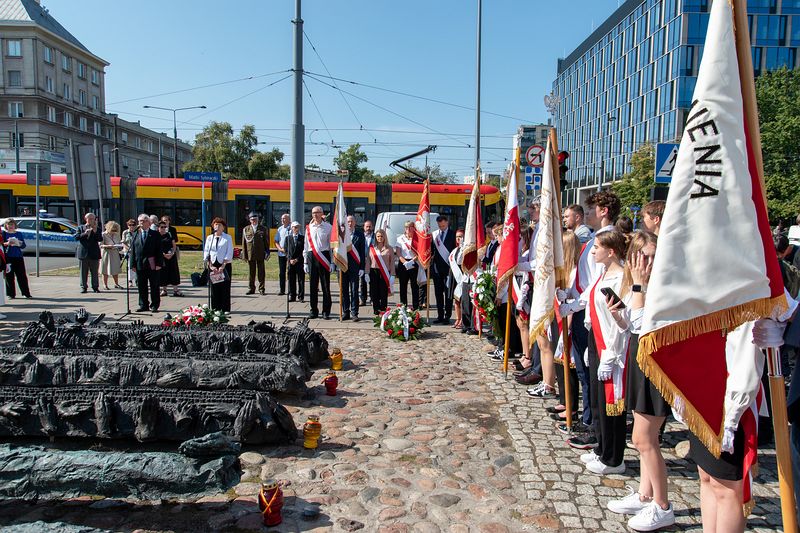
(423, 48)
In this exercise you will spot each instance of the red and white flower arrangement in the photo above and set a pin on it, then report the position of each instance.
(197, 315)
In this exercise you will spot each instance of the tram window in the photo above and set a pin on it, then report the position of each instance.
(159, 208)
(187, 213)
(278, 209)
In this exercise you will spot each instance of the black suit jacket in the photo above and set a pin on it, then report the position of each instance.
(441, 266)
(89, 246)
(490, 250)
(294, 251)
(358, 246)
(141, 252)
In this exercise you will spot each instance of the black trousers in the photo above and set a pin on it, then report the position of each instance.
(320, 276)
(221, 292)
(467, 320)
(349, 281)
(580, 338)
(297, 280)
(148, 281)
(405, 275)
(366, 291)
(257, 268)
(444, 297)
(17, 269)
(514, 339)
(609, 430)
(379, 291)
(282, 273)
(573, 386)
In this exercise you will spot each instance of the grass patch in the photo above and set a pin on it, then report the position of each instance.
(192, 261)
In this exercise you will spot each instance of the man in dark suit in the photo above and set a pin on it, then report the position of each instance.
(491, 248)
(369, 240)
(89, 238)
(146, 260)
(443, 241)
(355, 271)
(293, 245)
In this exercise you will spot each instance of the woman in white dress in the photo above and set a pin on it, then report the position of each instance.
(109, 254)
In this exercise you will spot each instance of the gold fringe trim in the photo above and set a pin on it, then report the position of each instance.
(541, 327)
(726, 319)
(338, 261)
(617, 408)
(747, 508)
(469, 249)
(502, 280)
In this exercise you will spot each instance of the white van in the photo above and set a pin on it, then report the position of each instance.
(392, 223)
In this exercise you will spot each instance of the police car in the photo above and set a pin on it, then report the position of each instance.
(57, 234)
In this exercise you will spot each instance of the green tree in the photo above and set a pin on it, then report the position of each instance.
(217, 149)
(634, 187)
(352, 159)
(778, 94)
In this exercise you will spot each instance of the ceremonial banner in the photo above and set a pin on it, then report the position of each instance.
(507, 256)
(549, 252)
(474, 238)
(422, 229)
(716, 266)
(341, 237)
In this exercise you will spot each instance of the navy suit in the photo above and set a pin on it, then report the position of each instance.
(350, 278)
(145, 257)
(368, 241)
(440, 271)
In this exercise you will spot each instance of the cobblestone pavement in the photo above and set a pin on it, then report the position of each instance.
(424, 436)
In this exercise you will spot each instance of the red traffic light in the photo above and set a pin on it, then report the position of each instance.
(562, 157)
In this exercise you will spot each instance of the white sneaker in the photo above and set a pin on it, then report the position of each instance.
(587, 458)
(535, 389)
(652, 517)
(598, 467)
(630, 504)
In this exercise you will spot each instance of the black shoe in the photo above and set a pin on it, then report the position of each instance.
(292, 299)
(553, 410)
(558, 418)
(141, 309)
(301, 300)
(313, 315)
(326, 316)
(524, 372)
(262, 293)
(95, 290)
(517, 365)
(363, 303)
(83, 291)
(154, 309)
(282, 293)
(12, 297)
(583, 442)
(250, 292)
(578, 428)
(345, 317)
(28, 296)
(471, 332)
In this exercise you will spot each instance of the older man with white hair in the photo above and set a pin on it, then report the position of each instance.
(89, 238)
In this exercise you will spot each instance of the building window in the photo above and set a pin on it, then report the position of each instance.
(95, 77)
(780, 57)
(51, 113)
(125, 161)
(695, 6)
(66, 63)
(15, 110)
(68, 119)
(757, 52)
(698, 27)
(52, 142)
(82, 96)
(771, 31)
(47, 53)
(791, 6)
(14, 48)
(762, 6)
(98, 129)
(82, 124)
(81, 70)
(67, 91)
(124, 137)
(795, 38)
(14, 78)
(21, 137)
(95, 101)
(48, 84)
(137, 142)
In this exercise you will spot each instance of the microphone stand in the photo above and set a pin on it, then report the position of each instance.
(127, 262)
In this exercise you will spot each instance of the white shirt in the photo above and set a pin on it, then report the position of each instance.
(321, 233)
(218, 249)
(280, 236)
(404, 248)
(588, 269)
(616, 338)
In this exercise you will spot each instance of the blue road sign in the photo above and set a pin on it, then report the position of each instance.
(666, 155)
(202, 176)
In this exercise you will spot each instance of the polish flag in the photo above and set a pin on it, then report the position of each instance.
(474, 238)
(509, 248)
(422, 228)
(341, 237)
(716, 266)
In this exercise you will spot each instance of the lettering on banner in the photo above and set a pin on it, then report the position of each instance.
(707, 167)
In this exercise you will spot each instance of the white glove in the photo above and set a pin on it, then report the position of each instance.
(728, 437)
(360, 273)
(605, 370)
(564, 310)
(561, 295)
(391, 281)
(586, 357)
(768, 333)
(366, 278)
(306, 269)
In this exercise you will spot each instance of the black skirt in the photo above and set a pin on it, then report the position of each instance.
(641, 395)
(729, 466)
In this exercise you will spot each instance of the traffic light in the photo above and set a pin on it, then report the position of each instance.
(562, 168)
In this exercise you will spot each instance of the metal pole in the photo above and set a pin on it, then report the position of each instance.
(203, 209)
(16, 143)
(98, 171)
(175, 148)
(76, 178)
(297, 206)
(116, 150)
(160, 158)
(478, 98)
(36, 172)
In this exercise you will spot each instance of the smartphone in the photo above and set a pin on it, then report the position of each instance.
(608, 292)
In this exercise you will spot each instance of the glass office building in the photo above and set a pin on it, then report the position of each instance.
(631, 81)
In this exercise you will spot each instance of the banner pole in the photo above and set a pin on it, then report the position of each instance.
(508, 329)
(565, 361)
(340, 295)
(428, 294)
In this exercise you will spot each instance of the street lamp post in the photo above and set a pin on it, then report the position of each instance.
(174, 130)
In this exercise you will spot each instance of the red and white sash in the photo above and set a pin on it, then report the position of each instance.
(354, 254)
(578, 284)
(614, 388)
(377, 260)
(440, 246)
(312, 237)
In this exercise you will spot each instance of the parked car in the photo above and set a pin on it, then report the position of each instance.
(392, 222)
(57, 234)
